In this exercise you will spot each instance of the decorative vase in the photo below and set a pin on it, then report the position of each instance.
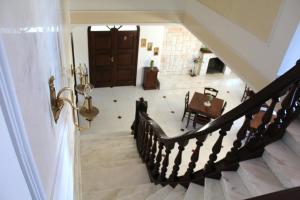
(151, 64)
(207, 103)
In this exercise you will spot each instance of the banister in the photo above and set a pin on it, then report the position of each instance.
(155, 146)
(275, 88)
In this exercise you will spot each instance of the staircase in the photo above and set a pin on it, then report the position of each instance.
(112, 169)
(263, 164)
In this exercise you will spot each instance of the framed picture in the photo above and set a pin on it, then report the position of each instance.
(156, 50)
(149, 46)
(143, 42)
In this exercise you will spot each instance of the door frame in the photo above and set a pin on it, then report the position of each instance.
(15, 124)
(136, 57)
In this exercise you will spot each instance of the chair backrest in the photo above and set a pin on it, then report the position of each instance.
(187, 99)
(211, 91)
(224, 106)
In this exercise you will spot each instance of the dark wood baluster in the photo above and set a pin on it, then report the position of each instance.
(139, 134)
(195, 157)
(145, 140)
(153, 152)
(165, 163)
(266, 118)
(149, 144)
(294, 103)
(210, 165)
(280, 122)
(141, 106)
(155, 171)
(173, 177)
(232, 156)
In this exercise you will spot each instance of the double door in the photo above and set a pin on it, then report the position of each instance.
(113, 57)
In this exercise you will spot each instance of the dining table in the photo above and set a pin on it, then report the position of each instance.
(197, 105)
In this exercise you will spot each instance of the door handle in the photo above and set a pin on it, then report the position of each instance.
(112, 59)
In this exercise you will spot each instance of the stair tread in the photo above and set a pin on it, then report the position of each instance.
(258, 177)
(115, 193)
(112, 163)
(105, 178)
(96, 157)
(233, 186)
(108, 136)
(108, 152)
(160, 194)
(213, 190)
(292, 136)
(140, 192)
(284, 163)
(101, 143)
(176, 194)
(194, 192)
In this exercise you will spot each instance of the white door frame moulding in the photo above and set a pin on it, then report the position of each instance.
(16, 128)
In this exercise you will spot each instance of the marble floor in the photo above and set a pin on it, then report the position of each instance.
(165, 106)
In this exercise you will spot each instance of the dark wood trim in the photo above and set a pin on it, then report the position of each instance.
(137, 53)
(74, 67)
(89, 53)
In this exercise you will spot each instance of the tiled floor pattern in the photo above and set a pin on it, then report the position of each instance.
(165, 106)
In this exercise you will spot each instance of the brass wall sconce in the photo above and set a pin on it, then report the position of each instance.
(57, 103)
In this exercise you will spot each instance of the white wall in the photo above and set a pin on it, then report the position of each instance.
(292, 54)
(154, 34)
(80, 39)
(180, 48)
(265, 57)
(32, 33)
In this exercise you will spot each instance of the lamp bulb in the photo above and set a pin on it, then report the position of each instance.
(87, 90)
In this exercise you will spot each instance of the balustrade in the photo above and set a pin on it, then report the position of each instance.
(152, 141)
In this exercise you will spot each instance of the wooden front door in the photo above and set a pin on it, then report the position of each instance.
(113, 57)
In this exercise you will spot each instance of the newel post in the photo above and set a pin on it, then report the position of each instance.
(140, 106)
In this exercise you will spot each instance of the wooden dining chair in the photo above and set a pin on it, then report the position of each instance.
(248, 93)
(211, 91)
(186, 108)
(200, 119)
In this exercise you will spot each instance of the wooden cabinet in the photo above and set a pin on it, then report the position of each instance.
(150, 78)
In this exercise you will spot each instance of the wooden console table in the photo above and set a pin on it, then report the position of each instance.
(150, 81)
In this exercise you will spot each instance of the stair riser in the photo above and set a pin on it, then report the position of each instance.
(292, 143)
(258, 177)
(233, 186)
(277, 170)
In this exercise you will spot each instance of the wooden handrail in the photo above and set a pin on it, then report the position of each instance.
(152, 141)
(276, 87)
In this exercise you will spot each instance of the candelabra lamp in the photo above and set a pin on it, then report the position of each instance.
(88, 111)
(83, 78)
(57, 103)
